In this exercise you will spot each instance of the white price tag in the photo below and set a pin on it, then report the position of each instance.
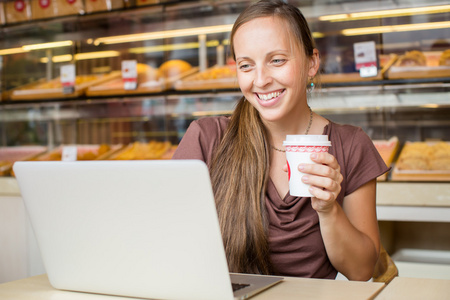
(68, 77)
(366, 58)
(69, 153)
(368, 71)
(129, 74)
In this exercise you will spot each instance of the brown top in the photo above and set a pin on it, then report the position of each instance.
(296, 244)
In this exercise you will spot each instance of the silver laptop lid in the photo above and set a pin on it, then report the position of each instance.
(132, 228)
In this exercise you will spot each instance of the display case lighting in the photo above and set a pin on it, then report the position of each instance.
(57, 58)
(12, 51)
(94, 55)
(81, 56)
(395, 28)
(172, 47)
(47, 45)
(386, 13)
(430, 105)
(27, 48)
(128, 38)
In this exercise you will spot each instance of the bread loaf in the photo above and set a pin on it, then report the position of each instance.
(444, 60)
(412, 58)
(423, 156)
(175, 67)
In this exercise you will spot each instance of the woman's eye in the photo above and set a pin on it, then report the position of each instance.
(244, 67)
(278, 61)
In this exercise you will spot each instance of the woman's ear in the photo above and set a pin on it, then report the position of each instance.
(314, 63)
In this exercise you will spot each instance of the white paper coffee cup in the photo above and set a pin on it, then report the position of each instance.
(298, 151)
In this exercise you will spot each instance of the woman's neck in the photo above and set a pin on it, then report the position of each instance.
(301, 124)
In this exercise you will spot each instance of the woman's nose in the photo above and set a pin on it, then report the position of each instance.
(262, 77)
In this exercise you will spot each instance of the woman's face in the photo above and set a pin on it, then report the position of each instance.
(271, 70)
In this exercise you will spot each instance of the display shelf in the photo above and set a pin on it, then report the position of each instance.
(420, 194)
(413, 201)
(436, 93)
(423, 263)
(378, 104)
(395, 201)
(423, 270)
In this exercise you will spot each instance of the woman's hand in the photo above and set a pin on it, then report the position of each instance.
(325, 179)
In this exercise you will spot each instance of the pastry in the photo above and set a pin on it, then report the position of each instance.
(147, 73)
(444, 60)
(425, 156)
(412, 59)
(175, 67)
(412, 164)
(440, 164)
(142, 151)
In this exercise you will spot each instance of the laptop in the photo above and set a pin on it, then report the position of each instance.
(145, 229)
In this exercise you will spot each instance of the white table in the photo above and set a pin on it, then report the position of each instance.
(39, 288)
(416, 288)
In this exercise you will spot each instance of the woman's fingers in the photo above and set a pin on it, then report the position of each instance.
(324, 178)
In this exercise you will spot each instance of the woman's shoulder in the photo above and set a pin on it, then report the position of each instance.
(201, 138)
(219, 122)
(210, 127)
(345, 131)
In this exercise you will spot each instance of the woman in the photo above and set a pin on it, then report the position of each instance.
(264, 229)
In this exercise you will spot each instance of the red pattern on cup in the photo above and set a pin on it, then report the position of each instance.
(289, 170)
(307, 149)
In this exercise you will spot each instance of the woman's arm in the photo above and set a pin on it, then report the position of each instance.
(350, 233)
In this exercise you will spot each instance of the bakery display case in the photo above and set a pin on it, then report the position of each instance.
(123, 80)
(120, 72)
(129, 72)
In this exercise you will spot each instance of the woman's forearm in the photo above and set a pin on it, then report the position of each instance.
(352, 252)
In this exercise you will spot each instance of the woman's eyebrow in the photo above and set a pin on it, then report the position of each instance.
(278, 51)
(243, 58)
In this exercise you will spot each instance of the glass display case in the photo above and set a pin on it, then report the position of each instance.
(136, 72)
(401, 92)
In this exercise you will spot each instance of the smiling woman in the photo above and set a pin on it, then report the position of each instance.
(271, 74)
(264, 228)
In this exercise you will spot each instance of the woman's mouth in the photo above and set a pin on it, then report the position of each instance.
(269, 96)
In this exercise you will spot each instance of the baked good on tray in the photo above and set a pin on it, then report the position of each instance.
(149, 79)
(421, 64)
(84, 152)
(52, 89)
(424, 156)
(174, 67)
(412, 58)
(387, 148)
(216, 77)
(143, 151)
(444, 60)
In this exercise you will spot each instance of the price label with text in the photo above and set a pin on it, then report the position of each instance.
(69, 153)
(129, 74)
(366, 58)
(68, 77)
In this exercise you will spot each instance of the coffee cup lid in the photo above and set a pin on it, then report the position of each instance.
(307, 140)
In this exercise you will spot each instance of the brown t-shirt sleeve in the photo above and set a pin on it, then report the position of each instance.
(365, 162)
(201, 138)
(356, 154)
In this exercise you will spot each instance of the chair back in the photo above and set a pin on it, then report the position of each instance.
(385, 269)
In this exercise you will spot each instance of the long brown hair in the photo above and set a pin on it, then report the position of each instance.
(240, 165)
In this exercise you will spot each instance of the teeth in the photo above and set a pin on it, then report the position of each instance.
(269, 96)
